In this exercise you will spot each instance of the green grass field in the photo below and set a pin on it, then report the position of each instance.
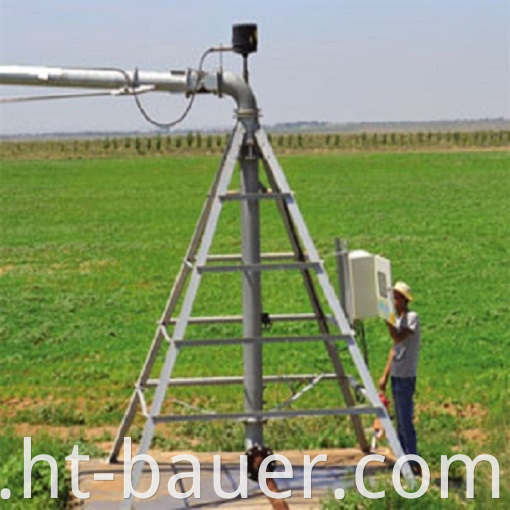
(90, 248)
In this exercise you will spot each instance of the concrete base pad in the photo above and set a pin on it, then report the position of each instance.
(337, 472)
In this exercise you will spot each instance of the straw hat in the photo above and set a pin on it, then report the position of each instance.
(404, 289)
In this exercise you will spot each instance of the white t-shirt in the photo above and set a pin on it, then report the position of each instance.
(406, 353)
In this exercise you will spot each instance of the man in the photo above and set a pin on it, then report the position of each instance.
(402, 365)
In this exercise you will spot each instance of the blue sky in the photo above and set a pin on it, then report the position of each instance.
(327, 60)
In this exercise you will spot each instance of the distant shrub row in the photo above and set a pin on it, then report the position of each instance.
(215, 143)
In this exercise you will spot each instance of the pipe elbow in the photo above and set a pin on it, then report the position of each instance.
(235, 86)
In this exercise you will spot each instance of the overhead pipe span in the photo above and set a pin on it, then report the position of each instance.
(185, 82)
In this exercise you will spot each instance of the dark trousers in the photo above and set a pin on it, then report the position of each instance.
(403, 392)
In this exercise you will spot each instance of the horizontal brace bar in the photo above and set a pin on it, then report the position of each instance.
(231, 380)
(234, 319)
(267, 415)
(199, 342)
(259, 267)
(263, 256)
(254, 196)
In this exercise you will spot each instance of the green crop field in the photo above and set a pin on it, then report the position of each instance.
(90, 249)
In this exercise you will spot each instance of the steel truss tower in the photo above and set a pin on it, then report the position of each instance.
(249, 145)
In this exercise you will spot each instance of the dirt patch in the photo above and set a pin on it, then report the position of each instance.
(478, 436)
(6, 269)
(14, 405)
(10, 408)
(454, 409)
(469, 419)
(61, 432)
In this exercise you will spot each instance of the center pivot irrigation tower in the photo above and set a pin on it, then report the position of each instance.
(250, 147)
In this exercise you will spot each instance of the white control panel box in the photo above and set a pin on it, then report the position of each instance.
(370, 285)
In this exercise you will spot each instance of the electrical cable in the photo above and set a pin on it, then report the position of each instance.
(167, 125)
(359, 328)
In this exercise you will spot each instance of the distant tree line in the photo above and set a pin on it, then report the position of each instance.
(203, 143)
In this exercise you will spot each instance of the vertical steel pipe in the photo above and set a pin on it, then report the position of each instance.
(252, 298)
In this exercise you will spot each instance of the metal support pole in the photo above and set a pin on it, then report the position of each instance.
(344, 279)
(318, 311)
(252, 300)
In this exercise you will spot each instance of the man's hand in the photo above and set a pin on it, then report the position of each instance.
(397, 335)
(382, 383)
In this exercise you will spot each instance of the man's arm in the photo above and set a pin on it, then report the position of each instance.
(384, 379)
(396, 335)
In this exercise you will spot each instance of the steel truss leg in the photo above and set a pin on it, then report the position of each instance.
(169, 309)
(226, 172)
(317, 308)
(331, 298)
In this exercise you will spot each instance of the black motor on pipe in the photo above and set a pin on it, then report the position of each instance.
(244, 42)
